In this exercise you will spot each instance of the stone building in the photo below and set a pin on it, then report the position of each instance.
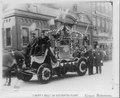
(100, 13)
(17, 20)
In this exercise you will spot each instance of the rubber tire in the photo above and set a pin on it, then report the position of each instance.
(40, 74)
(80, 70)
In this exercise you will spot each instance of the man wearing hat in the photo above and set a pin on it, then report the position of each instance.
(45, 38)
(44, 41)
(38, 45)
(90, 59)
(98, 59)
(31, 45)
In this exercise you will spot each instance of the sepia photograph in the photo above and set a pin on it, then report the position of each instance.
(59, 49)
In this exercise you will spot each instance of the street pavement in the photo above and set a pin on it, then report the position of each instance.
(97, 83)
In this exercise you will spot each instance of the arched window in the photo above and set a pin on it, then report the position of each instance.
(8, 37)
(25, 36)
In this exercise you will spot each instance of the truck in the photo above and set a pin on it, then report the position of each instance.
(58, 60)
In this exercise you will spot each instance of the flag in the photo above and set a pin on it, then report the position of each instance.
(51, 22)
(59, 14)
(33, 27)
(65, 13)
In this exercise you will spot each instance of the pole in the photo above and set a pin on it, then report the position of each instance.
(86, 29)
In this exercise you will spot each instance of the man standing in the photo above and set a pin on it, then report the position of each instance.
(90, 57)
(31, 45)
(45, 39)
(98, 59)
(30, 49)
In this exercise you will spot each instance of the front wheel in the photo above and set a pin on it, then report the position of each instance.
(44, 73)
(82, 67)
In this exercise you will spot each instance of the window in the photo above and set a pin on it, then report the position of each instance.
(8, 37)
(98, 22)
(94, 21)
(110, 27)
(25, 36)
(103, 24)
(107, 26)
(82, 18)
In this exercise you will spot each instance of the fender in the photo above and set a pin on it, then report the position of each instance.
(39, 59)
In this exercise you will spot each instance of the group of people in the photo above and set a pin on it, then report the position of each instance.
(94, 56)
(37, 45)
(94, 59)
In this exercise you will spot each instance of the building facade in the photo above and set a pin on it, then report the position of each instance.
(16, 25)
(100, 14)
(102, 21)
(18, 19)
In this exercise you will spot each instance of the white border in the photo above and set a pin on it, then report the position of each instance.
(115, 47)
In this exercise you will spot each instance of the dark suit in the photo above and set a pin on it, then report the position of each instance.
(31, 46)
(37, 45)
(90, 58)
(98, 60)
(42, 45)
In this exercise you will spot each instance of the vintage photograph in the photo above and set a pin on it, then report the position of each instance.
(61, 46)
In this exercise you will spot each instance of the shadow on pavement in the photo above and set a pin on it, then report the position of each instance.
(55, 78)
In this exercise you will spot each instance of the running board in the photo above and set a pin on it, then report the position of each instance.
(30, 71)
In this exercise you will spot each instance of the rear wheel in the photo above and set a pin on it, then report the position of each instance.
(82, 67)
(44, 73)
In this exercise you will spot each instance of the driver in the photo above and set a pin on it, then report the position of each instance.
(31, 45)
(45, 40)
(42, 44)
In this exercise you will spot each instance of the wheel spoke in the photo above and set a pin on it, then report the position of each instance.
(81, 67)
(44, 73)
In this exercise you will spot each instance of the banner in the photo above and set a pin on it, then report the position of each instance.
(33, 27)
(65, 13)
